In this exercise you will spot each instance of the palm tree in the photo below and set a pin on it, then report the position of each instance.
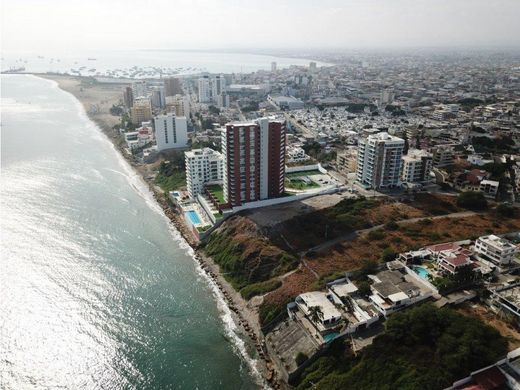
(315, 314)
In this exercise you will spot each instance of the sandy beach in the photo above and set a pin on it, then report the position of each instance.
(97, 99)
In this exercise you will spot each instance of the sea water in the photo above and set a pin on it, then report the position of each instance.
(97, 289)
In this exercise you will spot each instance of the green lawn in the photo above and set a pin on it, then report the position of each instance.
(300, 184)
(218, 191)
(174, 181)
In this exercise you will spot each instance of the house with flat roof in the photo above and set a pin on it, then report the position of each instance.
(498, 250)
(397, 288)
(328, 317)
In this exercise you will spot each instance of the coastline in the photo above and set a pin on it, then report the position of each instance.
(97, 102)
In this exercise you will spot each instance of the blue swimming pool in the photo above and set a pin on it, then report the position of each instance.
(194, 217)
(421, 271)
(331, 336)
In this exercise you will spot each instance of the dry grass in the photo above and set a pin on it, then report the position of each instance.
(350, 255)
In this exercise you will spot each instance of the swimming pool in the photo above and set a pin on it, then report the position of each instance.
(331, 336)
(194, 217)
(421, 271)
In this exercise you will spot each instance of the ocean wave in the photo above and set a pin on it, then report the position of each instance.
(230, 327)
(142, 189)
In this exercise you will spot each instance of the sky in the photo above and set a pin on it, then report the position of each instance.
(31, 25)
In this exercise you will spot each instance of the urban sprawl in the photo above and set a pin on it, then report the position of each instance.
(412, 160)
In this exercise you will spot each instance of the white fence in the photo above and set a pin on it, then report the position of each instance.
(303, 168)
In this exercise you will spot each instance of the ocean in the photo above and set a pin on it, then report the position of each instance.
(97, 289)
(144, 63)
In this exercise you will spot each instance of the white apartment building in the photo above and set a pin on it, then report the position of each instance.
(417, 165)
(202, 166)
(296, 154)
(489, 188)
(210, 88)
(499, 250)
(379, 161)
(171, 132)
(204, 90)
(140, 89)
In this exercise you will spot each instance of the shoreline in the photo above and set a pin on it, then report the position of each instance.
(244, 316)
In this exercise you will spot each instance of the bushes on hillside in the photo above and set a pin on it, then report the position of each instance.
(472, 200)
(260, 288)
(422, 348)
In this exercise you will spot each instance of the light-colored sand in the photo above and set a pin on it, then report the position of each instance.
(97, 98)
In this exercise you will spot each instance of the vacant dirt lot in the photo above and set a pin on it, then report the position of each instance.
(350, 255)
(270, 216)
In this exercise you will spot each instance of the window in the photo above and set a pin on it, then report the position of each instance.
(174, 131)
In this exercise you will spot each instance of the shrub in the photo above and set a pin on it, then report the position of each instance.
(472, 200)
(389, 254)
(260, 288)
(376, 235)
(392, 225)
(301, 358)
(506, 211)
(364, 288)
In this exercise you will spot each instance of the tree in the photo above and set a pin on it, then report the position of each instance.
(315, 314)
(364, 288)
(301, 358)
(506, 211)
(472, 200)
(388, 254)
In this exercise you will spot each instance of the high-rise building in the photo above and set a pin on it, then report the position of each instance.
(254, 156)
(140, 89)
(379, 161)
(416, 166)
(203, 166)
(171, 132)
(141, 110)
(312, 66)
(223, 100)
(128, 97)
(210, 88)
(218, 85)
(172, 86)
(204, 90)
(158, 96)
(273, 66)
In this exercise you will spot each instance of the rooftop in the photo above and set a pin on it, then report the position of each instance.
(319, 299)
(500, 242)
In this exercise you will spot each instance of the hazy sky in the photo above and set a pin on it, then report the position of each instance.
(202, 24)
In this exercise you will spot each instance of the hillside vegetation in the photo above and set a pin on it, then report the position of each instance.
(248, 259)
(421, 348)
